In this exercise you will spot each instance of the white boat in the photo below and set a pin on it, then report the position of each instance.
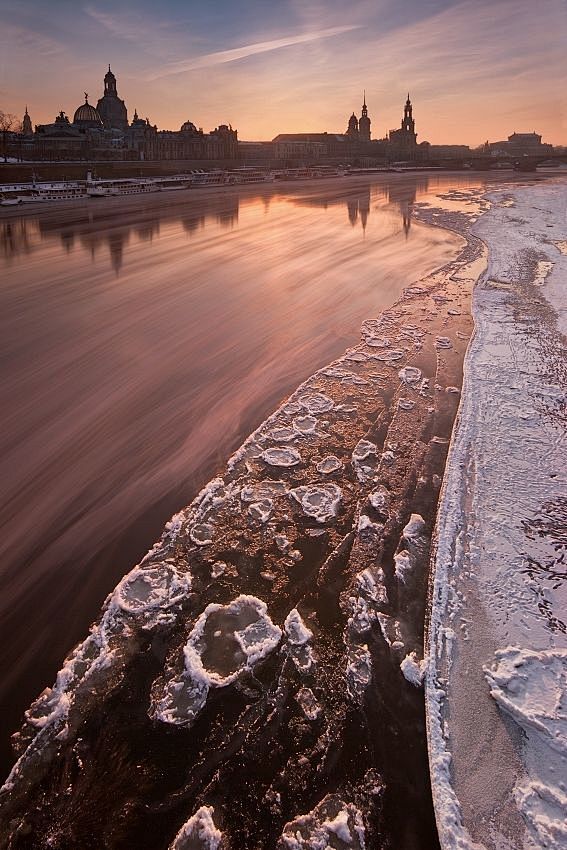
(247, 174)
(208, 178)
(41, 192)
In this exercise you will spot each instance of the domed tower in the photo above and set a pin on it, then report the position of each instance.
(27, 128)
(352, 130)
(112, 110)
(87, 117)
(364, 123)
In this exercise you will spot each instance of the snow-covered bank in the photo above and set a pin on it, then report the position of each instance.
(496, 686)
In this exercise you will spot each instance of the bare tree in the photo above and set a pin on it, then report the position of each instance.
(8, 124)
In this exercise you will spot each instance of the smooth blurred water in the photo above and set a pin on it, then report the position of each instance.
(139, 348)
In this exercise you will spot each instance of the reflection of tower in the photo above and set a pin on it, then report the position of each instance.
(352, 205)
(352, 130)
(364, 207)
(116, 242)
(403, 195)
(359, 207)
(228, 216)
(364, 123)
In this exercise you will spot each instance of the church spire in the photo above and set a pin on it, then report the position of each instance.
(364, 122)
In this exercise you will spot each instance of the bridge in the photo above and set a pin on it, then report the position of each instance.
(485, 162)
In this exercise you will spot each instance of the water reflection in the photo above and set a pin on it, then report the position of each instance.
(141, 346)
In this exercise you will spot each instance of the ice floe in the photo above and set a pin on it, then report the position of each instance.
(225, 642)
(199, 832)
(281, 456)
(413, 669)
(329, 464)
(316, 403)
(320, 501)
(331, 824)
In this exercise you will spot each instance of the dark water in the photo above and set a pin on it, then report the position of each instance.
(139, 348)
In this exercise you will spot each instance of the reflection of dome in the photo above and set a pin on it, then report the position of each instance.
(188, 127)
(87, 116)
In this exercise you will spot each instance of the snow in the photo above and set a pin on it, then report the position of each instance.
(199, 832)
(497, 687)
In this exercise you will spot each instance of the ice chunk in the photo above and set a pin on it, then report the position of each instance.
(331, 824)
(413, 669)
(201, 534)
(443, 342)
(281, 456)
(316, 403)
(320, 501)
(363, 449)
(358, 671)
(329, 464)
(305, 424)
(410, 375)
(380, 500)
(225, 641)
(389, 355)
(199, 832)
(282, 435)
(261, 510)
(415, 527)
(403, 565)
(145, 588)
(308, 702)
(267, 489)
(295, 629)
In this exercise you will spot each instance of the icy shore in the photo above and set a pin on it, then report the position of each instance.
(496, 686)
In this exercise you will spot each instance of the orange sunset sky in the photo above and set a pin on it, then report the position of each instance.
(475, 70)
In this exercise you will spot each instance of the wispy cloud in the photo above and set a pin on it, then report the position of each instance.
(222, 56)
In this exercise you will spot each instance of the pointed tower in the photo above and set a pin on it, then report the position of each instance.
(27, 128)
(352, 130)
(111, 109)
(408, 124)
(364, 122)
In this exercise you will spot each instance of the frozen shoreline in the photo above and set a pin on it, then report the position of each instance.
(497, 659)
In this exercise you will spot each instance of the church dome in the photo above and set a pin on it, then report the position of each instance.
(188, 127)
(87, 116)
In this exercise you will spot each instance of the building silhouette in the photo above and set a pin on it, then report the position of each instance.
(364, 122)
(103, 133)
(111, 108)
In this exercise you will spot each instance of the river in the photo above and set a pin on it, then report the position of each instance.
(140, 346)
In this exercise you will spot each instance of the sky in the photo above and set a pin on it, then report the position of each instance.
(475, 69)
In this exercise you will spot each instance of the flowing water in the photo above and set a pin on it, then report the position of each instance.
(141, 345)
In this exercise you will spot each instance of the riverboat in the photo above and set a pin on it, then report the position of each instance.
(248, 174)
(208, 178)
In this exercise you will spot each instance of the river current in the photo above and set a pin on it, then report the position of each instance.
(141, 346)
